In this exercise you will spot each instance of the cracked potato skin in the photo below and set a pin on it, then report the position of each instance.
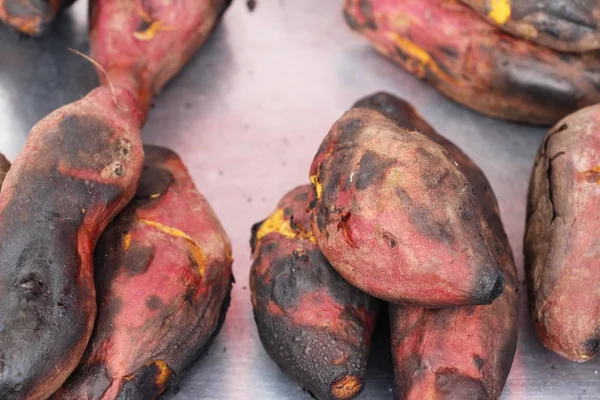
(397, 218)
(563, 25)
(31, 17)
(431, 361)
(163, 273)
(449, 46)
(79, 167)
(316, 326)
(562, 249)
(143, 44)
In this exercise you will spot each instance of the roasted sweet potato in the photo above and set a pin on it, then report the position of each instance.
(472, 62)
(143, 44)
(397, 218)
(562, 248)
(4, 167)
(163, 276)
(79, 167)
(315, 325)
(567, 25)
(31, 17)
(454, 353)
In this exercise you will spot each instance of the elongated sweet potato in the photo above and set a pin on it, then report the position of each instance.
(454, 353)
(315, 325)
(4, 167)
(565, 25)
(79, 167)
(472, 62)
(397, 218)
(143, 44)
(562, 248)
(163, 276)
(31, 17)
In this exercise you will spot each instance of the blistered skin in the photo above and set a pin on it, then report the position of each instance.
(564, 25)
(397, 218)
(163, 273)
(142, 44)
(562, 248)
(31, 17)
(79, 167)
(315, 325)
(474, 63)
(454, 353)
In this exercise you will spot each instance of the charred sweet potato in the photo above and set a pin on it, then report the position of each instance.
(79, 167)
(568, 25)
(143, 44)
(397, 218)
(4, 167)
(315, 325)
(454, 353)
(562, 247)
(472, 62)
(31, 17)
(163, 276)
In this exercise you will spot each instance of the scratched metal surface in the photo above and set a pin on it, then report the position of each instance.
(247, 116)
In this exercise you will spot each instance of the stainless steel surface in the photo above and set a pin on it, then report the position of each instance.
(247, 116)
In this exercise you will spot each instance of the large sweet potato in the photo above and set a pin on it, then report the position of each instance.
(163, 276)
(454, 353)
(565, 25)
(143, 44)
(562, 248)
(397, 218)
(448, 45)
(79, 167)
(315, 325)
(31, 17)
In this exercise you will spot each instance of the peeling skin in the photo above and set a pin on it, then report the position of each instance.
(563, 25)
(31, 17)
(153, 325)
(561, 253)
(313, 324)
(143, 44)
(474, 63)
(53, 207)
(397, 218)
(457, 352)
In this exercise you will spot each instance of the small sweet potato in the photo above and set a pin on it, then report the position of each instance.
(31, 17)
(143, 44)
(397, 218)
(562, 247)
(454, 353)
(474, 63)
(163, 277)
(567, 25)
(316, 326)
(79, 167)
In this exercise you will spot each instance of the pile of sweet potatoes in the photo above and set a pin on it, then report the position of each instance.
(469, 57)
(80, 167)
(397, 213)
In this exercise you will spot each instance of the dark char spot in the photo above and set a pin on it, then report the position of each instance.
(137, 259)
(372, 169)
(154, 302)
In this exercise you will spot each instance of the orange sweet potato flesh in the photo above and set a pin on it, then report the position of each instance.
(79, 167)
(474, 63)
(454, 353)
(142, 44)
(316, 326)
(163, 276)
(397, 218)
(564, 25)
(562, 247)
(31, 17)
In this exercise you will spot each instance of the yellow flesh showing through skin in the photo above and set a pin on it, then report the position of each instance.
(499, 11)
(277, 223)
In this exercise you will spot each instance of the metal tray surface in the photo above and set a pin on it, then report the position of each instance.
(247, 115)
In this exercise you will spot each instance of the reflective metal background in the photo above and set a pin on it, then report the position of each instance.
(247, 116)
